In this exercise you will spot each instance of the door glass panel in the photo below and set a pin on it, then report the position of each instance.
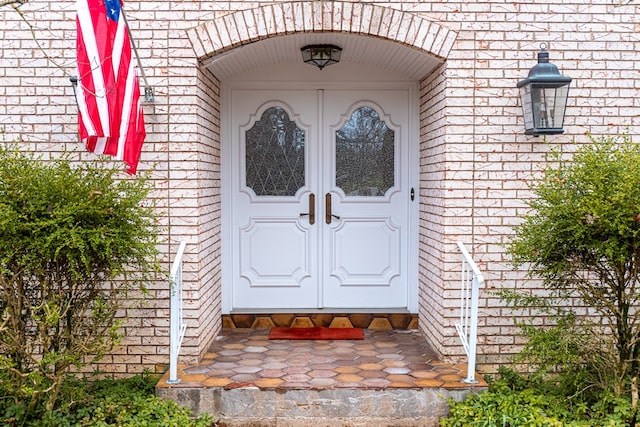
(275, 155)
(364, 154)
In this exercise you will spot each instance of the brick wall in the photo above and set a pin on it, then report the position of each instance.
(432, 239)
(475, 162)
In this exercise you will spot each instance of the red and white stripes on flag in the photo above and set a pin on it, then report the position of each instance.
(111, 120)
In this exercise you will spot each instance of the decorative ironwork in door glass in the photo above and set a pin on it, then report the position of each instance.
(275, 155)
(365, 154)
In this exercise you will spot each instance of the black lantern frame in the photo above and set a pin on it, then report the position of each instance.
(321, 55)
(544, 96)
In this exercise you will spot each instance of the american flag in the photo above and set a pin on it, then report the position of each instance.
(111, 120)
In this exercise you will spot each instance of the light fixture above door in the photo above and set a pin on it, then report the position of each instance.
(321, 55)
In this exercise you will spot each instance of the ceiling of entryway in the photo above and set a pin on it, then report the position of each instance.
(408, 62)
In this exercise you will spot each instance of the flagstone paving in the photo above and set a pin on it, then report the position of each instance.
(385, 359)
(391, 378)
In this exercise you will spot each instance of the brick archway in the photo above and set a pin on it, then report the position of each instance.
(269, 21)
(248, 26)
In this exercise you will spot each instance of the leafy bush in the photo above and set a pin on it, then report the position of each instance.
(582, 238)
(74, 240)
(124, 403)
(514, 400)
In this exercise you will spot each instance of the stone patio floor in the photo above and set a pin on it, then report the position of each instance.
(385, 359)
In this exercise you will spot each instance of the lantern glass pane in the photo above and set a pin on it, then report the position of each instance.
(323, 54)
(549, 106)
(559, 106)
(525, 100)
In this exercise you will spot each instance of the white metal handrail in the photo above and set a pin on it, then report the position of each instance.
(467, 328)
(177, 326)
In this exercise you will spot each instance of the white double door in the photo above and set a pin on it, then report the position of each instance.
(319, 199)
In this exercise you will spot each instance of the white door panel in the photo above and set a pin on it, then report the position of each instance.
(365, 251)
(365, 243)
(274, 247)
(274, 252)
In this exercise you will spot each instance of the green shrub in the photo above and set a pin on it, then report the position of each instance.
(582, 239)
(74, 240)
(514, 400)
(126, 402)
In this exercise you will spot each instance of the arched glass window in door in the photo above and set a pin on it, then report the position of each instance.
(274, 158)
(365, 154)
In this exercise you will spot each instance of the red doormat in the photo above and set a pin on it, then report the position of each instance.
(316, 333)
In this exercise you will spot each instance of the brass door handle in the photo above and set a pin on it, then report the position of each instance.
(328, 215)
(312, 209)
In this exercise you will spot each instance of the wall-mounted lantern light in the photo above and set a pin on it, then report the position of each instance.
(544, 97)
(321, 55)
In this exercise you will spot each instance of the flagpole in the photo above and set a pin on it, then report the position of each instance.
(148, 90)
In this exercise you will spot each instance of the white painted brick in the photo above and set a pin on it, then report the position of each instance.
(289, 16)
(376, 25)
(337, 13)
(389, 23)
(366, 18)
(303, 17)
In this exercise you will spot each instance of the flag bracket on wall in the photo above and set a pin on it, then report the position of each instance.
(148, 93)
